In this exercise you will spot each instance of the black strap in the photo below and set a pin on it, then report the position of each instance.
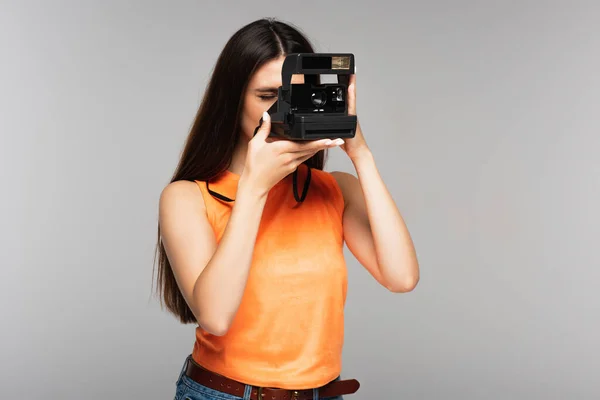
(304, 189)
(299, 199)
(218, 195)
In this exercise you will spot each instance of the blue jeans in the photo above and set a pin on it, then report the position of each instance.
(188, 389)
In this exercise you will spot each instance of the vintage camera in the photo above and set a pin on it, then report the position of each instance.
(312, 110)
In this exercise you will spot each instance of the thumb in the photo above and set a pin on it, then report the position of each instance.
(264, 129)
(352, 95)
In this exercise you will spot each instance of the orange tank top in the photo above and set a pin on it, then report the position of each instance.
(289, 329)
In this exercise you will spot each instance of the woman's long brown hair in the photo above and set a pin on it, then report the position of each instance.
(212, 139)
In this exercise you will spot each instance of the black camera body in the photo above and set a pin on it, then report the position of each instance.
(312, 110)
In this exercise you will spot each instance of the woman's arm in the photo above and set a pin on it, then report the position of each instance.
(211, 277)
(374, 229)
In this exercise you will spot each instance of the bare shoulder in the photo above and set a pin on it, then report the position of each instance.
(349, 186)
(346, 181)
(180, 195)
(343, 177)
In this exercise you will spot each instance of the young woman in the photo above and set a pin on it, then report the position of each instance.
(259, 270)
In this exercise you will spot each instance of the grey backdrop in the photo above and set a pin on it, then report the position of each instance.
(484, 121)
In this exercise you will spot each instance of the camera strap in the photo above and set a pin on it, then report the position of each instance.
(299, 198)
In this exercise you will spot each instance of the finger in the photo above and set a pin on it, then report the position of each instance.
(312, 145)
(305, 157)
(327, 143)
(312, 151)
(352, 95)
(308, 153)
(264, 129)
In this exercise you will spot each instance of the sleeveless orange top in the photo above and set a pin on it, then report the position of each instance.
(289, 329)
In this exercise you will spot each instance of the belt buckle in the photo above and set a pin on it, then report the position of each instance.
(294, 395)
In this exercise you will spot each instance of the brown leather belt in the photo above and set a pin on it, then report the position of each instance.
(226, 385)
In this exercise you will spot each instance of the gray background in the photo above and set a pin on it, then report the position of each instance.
(484, 121)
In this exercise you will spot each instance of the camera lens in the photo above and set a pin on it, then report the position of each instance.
(318, 98)
(339, 94)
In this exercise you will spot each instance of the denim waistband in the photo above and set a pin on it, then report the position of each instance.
(183, 379)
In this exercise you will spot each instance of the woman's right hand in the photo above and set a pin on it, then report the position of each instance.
(268, 161)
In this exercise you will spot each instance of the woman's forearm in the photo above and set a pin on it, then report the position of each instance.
(394, 248)
(219, 288)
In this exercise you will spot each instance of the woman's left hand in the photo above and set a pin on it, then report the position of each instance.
(356, 145)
